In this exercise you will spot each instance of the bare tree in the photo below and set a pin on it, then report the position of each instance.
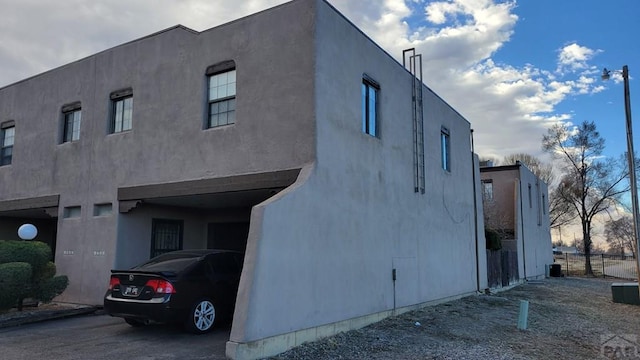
(590, 184)
(560, 212)
(497, 219)
(538, 168)
(619, 234)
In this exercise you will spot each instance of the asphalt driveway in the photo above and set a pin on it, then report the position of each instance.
(104, 337)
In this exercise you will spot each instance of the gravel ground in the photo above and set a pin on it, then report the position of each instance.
(569, 318)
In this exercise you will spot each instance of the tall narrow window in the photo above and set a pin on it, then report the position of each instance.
(370, 90)
(71, 124)
(538, 203)
(530, 202)
(7, 134)
(445, 149)
(166, 236)
(487, 190)
(121, 110)
(221, 80)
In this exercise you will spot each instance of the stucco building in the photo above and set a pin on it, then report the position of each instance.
(287, 134)
(516, 204)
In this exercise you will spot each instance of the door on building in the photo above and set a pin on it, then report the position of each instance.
(166, 236)
(228, 236)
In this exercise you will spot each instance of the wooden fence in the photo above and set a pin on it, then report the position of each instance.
(502, 268)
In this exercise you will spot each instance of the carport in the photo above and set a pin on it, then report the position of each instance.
(206, 213)
(40, 211)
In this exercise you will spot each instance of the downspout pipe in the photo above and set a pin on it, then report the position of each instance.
(475, 211)
(524, 256)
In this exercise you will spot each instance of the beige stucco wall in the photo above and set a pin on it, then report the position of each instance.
(528, 215)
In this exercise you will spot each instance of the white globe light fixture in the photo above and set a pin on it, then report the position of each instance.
(27, 232)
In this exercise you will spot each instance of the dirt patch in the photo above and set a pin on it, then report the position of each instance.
(569, 318)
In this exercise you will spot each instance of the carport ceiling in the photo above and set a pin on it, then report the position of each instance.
(27, 214)
(238, 191)
(235, 199)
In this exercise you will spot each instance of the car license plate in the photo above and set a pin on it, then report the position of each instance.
(130, 291)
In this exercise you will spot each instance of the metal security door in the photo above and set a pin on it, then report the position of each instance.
(166, 236)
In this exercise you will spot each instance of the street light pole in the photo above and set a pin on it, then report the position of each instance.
(632, 167)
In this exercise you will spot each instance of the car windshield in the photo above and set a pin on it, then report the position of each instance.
(169, 262)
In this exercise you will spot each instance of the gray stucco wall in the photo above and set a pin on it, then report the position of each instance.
(321, 251)
(534, 232)
(134, 238)
(274, 125)
(324, 250)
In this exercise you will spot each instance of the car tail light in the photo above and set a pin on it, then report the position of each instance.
(113, 282)
(161, 286)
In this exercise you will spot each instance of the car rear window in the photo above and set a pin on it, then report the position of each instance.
(168, 263)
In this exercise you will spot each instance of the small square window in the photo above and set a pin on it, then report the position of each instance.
(71, 212)
(102, 209)
(370, 91)
(7, 135)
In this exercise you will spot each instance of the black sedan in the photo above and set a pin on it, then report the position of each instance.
(194, 287)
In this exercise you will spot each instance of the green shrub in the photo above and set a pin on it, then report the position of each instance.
(41, 284)
(494, 242)
(13, 277)
(50, 288)
(36, 253)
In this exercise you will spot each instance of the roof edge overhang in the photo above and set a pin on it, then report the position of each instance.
(264, 180)
(40, 202)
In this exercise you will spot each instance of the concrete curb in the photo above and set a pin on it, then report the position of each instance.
(33, 317)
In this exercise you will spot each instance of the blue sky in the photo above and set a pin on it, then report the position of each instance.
(607, 28)
(512, 68)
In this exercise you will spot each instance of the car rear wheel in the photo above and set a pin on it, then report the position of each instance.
(135, 322)
(201, 317)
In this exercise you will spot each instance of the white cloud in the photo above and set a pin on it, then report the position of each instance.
(574, 57)
(38, 36)
(509, 107)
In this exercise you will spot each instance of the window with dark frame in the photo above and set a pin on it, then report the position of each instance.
(72, 116)
(221, 94)
(445, 148)
(121, 111)
(370, 89)
(7, 135)
(166, 236)
(487, 190)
